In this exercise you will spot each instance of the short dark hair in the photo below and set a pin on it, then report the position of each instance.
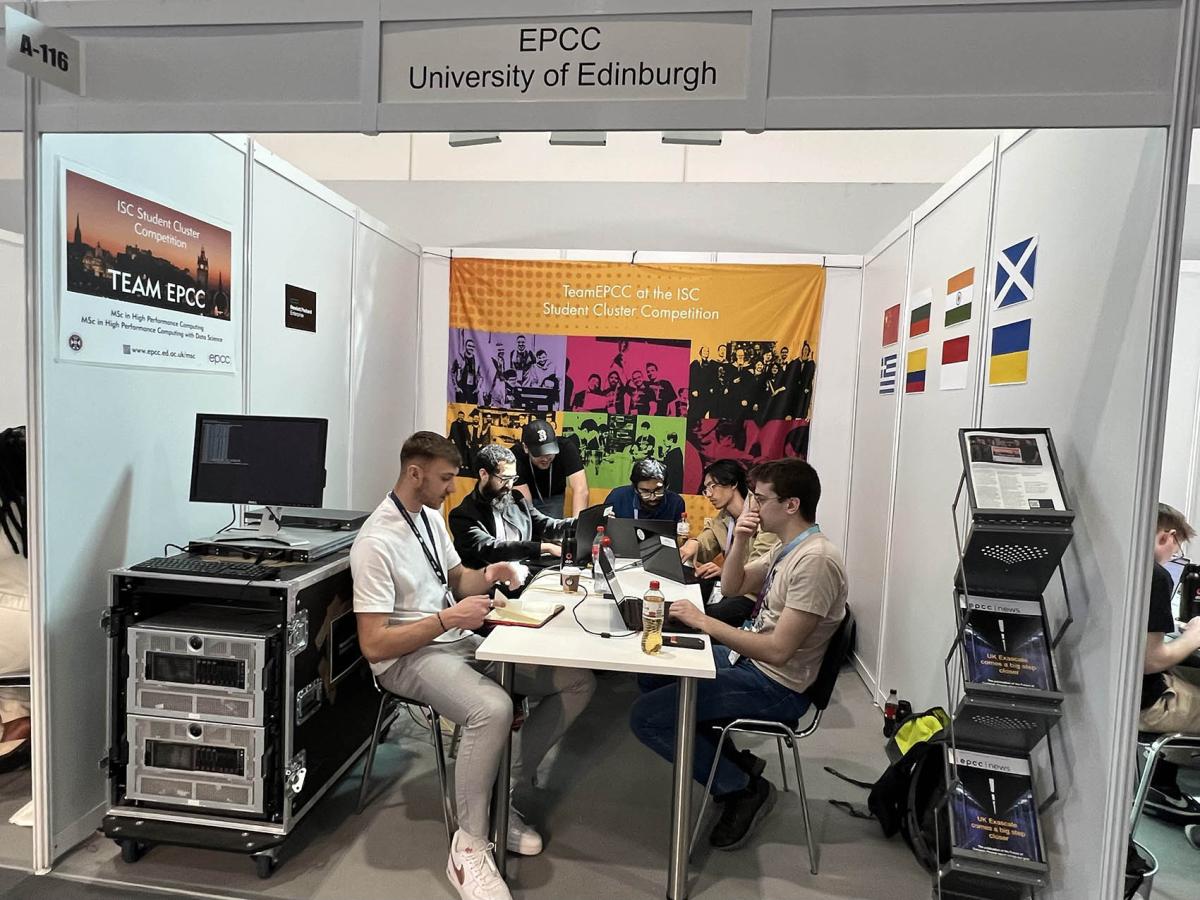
(728, 472)
(428, 445)
(647, 470)
(792, 477)
(492, 457)
(1171, 519)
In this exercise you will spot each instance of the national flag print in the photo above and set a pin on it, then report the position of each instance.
(955, 356)
(960, 294)
(1010, 353)
(918, 322)
(891, 325)
(914, 371)
(887, 371)
(1015, 270)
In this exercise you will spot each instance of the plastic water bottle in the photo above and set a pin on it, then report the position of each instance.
(682, 531)
(653, 606)
(597, 543)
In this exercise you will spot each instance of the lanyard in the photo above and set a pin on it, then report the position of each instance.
(729, 532)
(788, 548)
(427, 549)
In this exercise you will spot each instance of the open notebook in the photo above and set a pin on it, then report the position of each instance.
(524, 613)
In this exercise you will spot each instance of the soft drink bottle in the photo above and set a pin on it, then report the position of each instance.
(653, 606)
(682, 531)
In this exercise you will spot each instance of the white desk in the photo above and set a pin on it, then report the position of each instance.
(562, 642)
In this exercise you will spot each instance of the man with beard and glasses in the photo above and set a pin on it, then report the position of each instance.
(495, 523)
(646, 496)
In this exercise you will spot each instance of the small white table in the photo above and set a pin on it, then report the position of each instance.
(562, 642)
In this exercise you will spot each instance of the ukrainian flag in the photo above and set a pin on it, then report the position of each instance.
(1010, 353)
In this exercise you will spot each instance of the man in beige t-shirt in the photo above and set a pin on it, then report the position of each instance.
(763, 669)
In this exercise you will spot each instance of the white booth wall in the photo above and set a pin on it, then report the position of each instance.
(1092, 197)
(114, 443)
(1181, 438)
(833, 391)
(12, 335)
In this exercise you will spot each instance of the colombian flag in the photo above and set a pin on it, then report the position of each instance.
(1010, 353)
(914, 378)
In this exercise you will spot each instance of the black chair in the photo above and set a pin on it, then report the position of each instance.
(819, 694)
(1155, 745)
(387, 702)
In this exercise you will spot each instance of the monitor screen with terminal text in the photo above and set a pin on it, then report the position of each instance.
(271, 460)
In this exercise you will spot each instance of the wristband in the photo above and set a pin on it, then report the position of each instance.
(440, 622)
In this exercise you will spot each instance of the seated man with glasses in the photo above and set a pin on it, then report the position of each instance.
(764, 669)
(646, 495)
(495, 523)
(725, 487)
(1170, 690)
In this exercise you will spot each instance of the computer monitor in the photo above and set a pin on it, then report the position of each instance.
(276, 461)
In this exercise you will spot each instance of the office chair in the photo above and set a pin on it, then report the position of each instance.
(1155, 745)
(387, 699)
(819, 695)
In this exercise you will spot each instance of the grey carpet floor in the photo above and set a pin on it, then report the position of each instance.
(16, 843)
(603, 806)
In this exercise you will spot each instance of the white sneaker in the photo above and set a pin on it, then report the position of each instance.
(473, 872)
(521, 838)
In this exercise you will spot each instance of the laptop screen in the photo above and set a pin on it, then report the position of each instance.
(608, 568)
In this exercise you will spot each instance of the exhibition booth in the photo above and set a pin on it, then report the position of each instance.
(1034, 289)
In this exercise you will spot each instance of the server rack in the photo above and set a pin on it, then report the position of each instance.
(192, 772)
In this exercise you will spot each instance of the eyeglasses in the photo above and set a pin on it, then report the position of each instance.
(506, 479)
(651, 495)
(759, 499)
(710, 486)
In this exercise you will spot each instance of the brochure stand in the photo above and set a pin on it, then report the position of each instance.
(1001, 681)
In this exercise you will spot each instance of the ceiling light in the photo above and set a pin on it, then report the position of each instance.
(700, 138)
(472, 138)
(578, 138)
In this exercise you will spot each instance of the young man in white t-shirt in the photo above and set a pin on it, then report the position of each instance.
(764, 668)
(416, 606)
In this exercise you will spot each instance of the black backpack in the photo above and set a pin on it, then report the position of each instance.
(906, 799)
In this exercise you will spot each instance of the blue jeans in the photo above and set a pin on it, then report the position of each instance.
(738, 691)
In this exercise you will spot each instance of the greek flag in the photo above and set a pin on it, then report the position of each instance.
(887, 374)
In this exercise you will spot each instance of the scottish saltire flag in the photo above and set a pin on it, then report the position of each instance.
(887, 372)
(960, 292)
(914, 371)
(1010, 353)
(955, 354)
(1015, 269)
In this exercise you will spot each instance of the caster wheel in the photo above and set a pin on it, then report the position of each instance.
(131, 850)
(263, 866)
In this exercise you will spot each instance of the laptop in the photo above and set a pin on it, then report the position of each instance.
(586, 524)
(627, 534)
(660, 556)
(630, 605)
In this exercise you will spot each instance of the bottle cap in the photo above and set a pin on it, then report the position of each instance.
(599, 529)
(654, 585)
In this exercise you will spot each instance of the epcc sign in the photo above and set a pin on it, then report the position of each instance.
(570, 38)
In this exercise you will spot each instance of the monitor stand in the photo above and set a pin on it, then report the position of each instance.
(267, 531)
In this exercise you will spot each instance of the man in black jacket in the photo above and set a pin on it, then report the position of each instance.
(495, 523)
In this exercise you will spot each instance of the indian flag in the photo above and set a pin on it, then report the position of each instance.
(960, 293)
(955, 353)
(914, 371)
(1010, 353)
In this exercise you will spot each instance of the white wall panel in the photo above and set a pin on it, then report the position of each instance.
(116, 449)
(12, 335)
(1092, 197)
(300, 239)
(919, 623)
(870, 489)
(385, 347)
(1181, 448)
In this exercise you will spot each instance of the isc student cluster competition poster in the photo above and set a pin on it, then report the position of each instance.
(683, 363)
(145, 285)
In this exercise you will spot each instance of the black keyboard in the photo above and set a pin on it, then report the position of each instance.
(207, 568)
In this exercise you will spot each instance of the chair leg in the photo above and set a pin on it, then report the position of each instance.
(808, 831)
(1139, 801)
(455, 738)
(782, 764)
(439, 758)
(712, 774)
(366, 776)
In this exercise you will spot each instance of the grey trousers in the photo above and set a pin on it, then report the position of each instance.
(461, 688)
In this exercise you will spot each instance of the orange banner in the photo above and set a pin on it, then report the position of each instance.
(685, 363)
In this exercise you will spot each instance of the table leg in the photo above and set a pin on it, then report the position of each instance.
(681, 794)
(500, 800)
